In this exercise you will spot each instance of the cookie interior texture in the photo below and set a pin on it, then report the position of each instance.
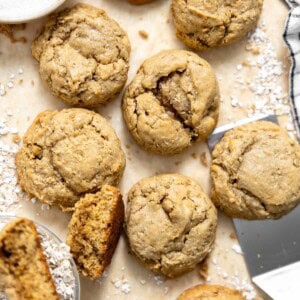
(83, 56)
(94, 230)
(170, 223)
(69, 153)
(202, 24)
(256, 172)
(211, 292)
(24, 273)
(172, 102)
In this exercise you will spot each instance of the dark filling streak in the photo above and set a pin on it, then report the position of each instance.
(168, 105)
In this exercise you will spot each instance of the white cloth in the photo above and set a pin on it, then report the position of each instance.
(292, 38)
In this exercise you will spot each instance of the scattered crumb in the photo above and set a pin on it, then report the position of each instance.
(203, 159)
(16, 138)
(127, 146)
(32, 82)
(143, 34)
(9, 31)
(20, 81)
(194, 155)
(233, 235)
(177, 163)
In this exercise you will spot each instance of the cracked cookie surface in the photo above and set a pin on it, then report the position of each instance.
(170, 223)
(202, 24)
(172, 102)
(83, 56)
(256, 172)
(68, 153)
(211, 292)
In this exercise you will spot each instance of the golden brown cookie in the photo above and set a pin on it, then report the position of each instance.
(256, 172)
(211, 292)
(202, 24)
(24, 272)
(139, 2)
(172, 102)
(83, 56)
(94, 230)
(67, 154)
(170, 223)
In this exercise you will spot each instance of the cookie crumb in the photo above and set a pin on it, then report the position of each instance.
(143, 34)
(177, 163)
(203, 159)
(233, 236)
(194, 155)
(16, 138)
(32, 82)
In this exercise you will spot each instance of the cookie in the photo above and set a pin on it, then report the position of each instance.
(172, 102)
(83, 56)
(256, 172)
(211, 292)
(170, 223)
(94, 230)
(24, 272)
(139, 2)
(68, 153)
(202, 24)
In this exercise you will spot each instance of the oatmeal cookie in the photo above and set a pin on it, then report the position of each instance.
(94, 230)
(172, 102)
(211, 292)
(203, 24)
(256, 172)
(67, 154)
(24, 272)
(170, 223)
(83, 56)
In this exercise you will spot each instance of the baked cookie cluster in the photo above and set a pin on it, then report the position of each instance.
(73, 159)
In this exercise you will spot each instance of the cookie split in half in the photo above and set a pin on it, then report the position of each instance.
(24, 273)
(67, 154)
(94, 230)
(83, 56)
(172, 102)
(203, 24)
(256, 172)
(170, 223)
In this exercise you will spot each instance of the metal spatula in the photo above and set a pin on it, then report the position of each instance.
(271, 247)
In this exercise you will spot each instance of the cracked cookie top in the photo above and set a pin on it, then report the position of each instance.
(67, 154)
(256, 172)
(211, 292)
(172, 102)
(170, 223)
(83, 56)
(203, 24)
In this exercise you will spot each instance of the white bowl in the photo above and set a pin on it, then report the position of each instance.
(20, 11)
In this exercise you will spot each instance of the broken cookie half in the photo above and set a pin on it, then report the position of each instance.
(24, 273)
(94, 230)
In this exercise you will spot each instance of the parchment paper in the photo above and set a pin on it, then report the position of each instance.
(31, 97)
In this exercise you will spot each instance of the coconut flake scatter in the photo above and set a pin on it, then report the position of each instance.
(122, 285)
(10, 192)
(58, 257)
(268, 96)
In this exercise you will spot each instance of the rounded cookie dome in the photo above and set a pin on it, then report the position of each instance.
(69, 153)
(203, 24)
(255, 172)
(170, 223)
